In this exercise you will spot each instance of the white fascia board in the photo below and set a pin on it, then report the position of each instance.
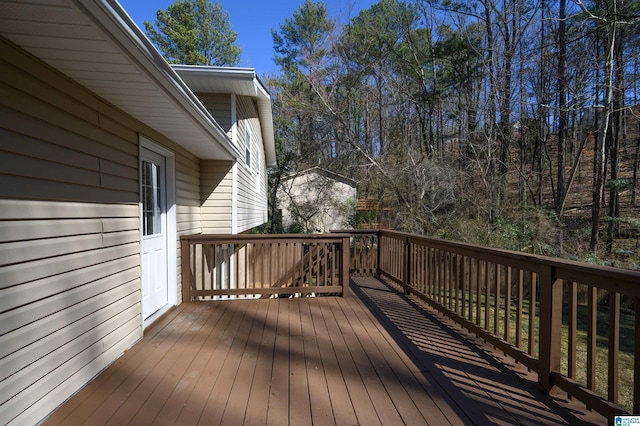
(264, 105)
(109, 15)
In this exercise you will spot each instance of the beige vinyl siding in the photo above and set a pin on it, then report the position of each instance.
(216, 194)
(69, 234)
(187, 195)
(252, 182)
(219, 106)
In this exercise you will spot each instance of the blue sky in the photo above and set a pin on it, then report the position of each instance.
(253, 20)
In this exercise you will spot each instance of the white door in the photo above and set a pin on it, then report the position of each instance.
(153, 192)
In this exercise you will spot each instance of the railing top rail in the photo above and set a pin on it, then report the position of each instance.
(236, 238)
(620, 280)
(355, 231)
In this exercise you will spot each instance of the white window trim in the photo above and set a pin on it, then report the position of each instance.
(248, 147)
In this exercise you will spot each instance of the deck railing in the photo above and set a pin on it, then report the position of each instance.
(222, 266)
(561, 319)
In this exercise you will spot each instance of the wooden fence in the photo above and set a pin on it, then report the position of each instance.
(263, 265)
(561, 319)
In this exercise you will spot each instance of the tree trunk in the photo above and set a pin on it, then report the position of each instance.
(636, 164)
(562, 103)
(616, 130)
(380, 114)
(540, 139)
(636, 159)
(491, 117)
(598, 188)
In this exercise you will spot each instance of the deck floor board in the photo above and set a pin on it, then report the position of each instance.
(258, 402)
(375, 357)
(340, 400)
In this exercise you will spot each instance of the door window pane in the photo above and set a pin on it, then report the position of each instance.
(151, 200)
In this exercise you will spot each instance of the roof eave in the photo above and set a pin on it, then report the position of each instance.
(109, 15)
(250, 86)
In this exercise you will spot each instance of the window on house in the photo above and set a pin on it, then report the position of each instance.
(248, 148)
(151, 199)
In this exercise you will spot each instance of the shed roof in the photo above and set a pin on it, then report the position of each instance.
(323, 172)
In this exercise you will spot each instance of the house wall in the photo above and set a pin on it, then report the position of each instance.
(216, 190)
(252, 181)
(219, 106)
(217, 196)
(70, 273)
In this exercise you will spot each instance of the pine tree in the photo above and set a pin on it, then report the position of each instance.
(194, 32)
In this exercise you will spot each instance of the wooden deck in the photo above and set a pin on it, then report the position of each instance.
(375, 357)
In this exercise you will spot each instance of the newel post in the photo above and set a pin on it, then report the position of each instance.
(185, 260)
(550, 333)
(406, 279)
(346, 262)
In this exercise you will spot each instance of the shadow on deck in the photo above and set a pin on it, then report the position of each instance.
(486, 385)
(376, 357)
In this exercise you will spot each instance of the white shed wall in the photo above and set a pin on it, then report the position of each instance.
(329, 202)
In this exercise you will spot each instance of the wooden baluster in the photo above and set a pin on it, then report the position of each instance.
(614, 345)
(519, 308)
(471, 287)
(406, 275)
(436, 274)
(451, 282)
(423, 270)
(432, 259)
(572, 324)
(456, 283)
(415, 266)
(478, 293)
(636, 358)
(507, 303)
(496, 312)
(463, 285)
(446, 263)
(441, 271)
(532, 313)
(592, 312)
(487, 295)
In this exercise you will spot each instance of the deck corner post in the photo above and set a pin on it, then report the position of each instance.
(185, 260)
(346, 262)
(550, 332)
